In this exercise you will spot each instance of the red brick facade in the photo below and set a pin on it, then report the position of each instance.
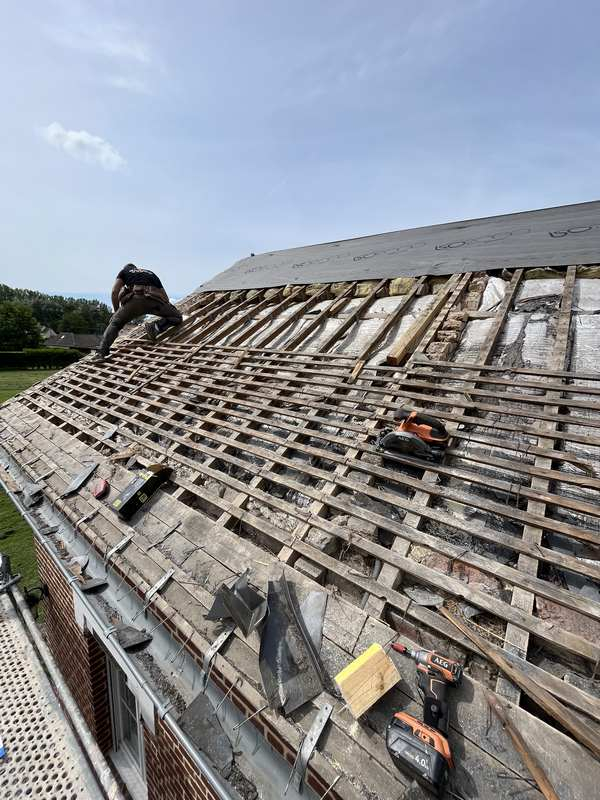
(170, 772)
(80, 658)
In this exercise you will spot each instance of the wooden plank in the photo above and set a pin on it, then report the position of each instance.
(522, 748)
(520, 597)
(580, 729)
(544, 373)
(387, 325)
(421, 369)
(366, 679)
(410, 338)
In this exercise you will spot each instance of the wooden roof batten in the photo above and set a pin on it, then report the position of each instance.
(263, 433)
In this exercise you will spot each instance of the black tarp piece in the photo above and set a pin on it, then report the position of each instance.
(548, 237)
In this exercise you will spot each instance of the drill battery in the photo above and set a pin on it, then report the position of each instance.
(417, 749)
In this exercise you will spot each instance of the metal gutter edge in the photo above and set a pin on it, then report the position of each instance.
(222, 789)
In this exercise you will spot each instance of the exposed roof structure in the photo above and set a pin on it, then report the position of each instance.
(548, 237)
(268, 404)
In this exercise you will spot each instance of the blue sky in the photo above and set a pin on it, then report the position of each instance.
(184, 135)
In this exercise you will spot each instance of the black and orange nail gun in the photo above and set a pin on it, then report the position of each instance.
(417, 747)
(415, 434)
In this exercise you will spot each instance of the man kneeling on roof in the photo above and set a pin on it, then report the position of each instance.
(137, 292)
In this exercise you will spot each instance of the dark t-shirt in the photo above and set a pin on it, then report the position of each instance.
(135, 276)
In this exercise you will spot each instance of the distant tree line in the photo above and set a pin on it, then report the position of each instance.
(61, 313)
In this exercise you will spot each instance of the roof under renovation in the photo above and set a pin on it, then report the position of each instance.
(269, 404)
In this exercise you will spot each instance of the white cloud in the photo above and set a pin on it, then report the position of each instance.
(112, 40)
(129, 84)
(83, 146)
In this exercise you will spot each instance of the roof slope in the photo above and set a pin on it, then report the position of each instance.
(268, 406)
(548, 237)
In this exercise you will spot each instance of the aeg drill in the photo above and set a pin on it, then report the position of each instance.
(421, 748)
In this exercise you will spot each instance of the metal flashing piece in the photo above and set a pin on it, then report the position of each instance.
(132, 639)
(313, 609)
(32, 494)
(307, 747)
(290, 667)
(241, 603)
(79, 480)
(49, 530)
(310, 646)
(211, 653)
(160, 583)
(120, 545)
(93, 586)
(86, 518)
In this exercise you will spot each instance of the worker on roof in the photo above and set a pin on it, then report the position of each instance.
(137, 292)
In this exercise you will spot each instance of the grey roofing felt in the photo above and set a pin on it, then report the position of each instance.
(548, 237)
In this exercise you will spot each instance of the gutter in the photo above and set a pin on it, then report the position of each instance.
(220, 786)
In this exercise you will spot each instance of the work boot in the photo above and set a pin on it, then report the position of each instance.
(150, 330)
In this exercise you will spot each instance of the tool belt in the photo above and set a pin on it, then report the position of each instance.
(153, 292)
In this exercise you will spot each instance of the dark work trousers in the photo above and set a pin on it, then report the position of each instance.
(138, 306)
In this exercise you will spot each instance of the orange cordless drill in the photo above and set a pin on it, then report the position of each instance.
(421, 748)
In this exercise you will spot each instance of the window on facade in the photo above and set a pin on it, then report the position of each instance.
(127, 729)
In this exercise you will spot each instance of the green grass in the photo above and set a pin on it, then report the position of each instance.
(14, 381)
(18, 544)
(16, 538)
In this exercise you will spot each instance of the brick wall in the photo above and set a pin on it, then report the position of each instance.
(80, 658)
(170, 772)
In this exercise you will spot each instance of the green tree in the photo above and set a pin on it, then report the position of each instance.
(74, 322)
(18, 327)
(51, 310)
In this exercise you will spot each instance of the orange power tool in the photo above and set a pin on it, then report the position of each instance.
(421, 748)
(415, 434)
